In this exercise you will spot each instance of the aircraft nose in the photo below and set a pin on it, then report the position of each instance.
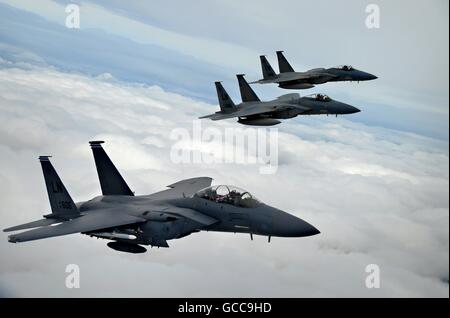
(296, 227)
(348, 109)
(368, 76)
(352, 110)
(306, 229)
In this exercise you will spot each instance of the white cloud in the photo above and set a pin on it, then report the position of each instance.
(186, 52)
(377, 195)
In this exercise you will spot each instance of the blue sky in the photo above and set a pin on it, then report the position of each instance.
(181, 49)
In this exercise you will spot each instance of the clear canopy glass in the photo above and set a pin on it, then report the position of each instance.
(319, 97)
(345, 67)
(229, 195)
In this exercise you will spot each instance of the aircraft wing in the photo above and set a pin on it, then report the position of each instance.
(187, 213)
(252, 110)
(297, 76)
(30, 225)
(288, 97)
(182, 188)
(303, 76)
(264, 81)
(92, 221)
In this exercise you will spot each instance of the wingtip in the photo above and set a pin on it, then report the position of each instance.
(44, 158)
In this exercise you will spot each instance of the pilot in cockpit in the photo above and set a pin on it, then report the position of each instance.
(229, 195)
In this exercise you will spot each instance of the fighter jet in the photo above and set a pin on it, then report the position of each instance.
(290, 79)
(253, 111)
(130, 221)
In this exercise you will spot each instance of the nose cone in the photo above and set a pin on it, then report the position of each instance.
(290, 226)
(345, 109)
(366, 76)
(351, 110)
(303, 228)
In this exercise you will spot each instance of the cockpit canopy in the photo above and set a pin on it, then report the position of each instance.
(345, 67)
(229, 195)
(319, 97)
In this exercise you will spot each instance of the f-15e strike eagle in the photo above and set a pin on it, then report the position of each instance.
(130, 221)
(253, 111)
(290, 79)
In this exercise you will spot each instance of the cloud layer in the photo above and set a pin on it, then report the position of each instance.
(377, 195)
(151, 43)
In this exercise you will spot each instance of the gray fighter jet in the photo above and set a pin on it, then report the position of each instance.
(290, 79)
(252, 111)
(131, 221)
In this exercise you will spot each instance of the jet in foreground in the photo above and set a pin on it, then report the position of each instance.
(290, 79)
(131, 221)
(252, 111)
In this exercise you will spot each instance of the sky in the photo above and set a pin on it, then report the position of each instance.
(375, 183)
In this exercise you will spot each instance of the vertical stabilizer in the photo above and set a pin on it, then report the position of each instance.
(225, 102)
(267, 70)
(247, 93)
(61, 203)
(111, 181)
(283, 64)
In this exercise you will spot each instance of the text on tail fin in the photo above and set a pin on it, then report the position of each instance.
(61, 203)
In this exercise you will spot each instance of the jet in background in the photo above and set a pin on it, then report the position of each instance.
(290, 79)
(130, 221)
(253, 111)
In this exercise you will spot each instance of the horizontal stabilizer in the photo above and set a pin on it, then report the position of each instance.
(211, 115)
(263, 81)
(30, 225)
